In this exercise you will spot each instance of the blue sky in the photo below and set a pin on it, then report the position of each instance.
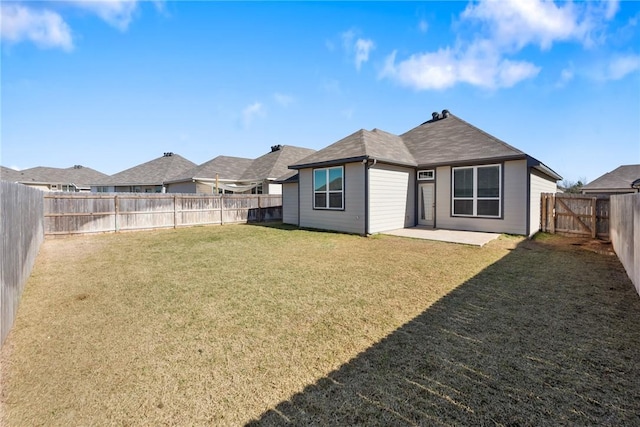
(112, 84)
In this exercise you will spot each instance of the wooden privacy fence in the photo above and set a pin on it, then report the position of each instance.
(77, 213)
(21, 228)
(575, 214)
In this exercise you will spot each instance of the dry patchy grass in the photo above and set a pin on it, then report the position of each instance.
(224, 325)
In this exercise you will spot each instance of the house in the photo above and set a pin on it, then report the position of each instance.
(623, 179)
(148, 177)
(445, 173)
(76, 178)
(237, 175)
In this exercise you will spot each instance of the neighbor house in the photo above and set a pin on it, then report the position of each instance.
(623, 179)
(444, 173)
(147, 177)
(237, 175)
(74, 179)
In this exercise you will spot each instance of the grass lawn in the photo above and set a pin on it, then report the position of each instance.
(231, 325)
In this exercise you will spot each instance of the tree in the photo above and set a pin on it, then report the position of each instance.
(569, 186)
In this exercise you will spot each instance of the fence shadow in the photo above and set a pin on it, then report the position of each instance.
(547, 335)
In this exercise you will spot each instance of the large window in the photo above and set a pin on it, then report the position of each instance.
(328, 188)
(477, 191)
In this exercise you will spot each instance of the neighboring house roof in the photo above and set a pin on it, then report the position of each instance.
(269, 166)
(620, 178)
(8, 174)
(446, 139)
(276, 163)
(226, 167)
(153, 172)
(80, 176)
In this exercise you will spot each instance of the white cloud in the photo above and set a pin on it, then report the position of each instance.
(117, 13)
(505, 28)
(517, 23)
(360, 48)
(283, 100)
(363, 47)
(252, 111)
(621, 66)
(445, 68)
(45, 28)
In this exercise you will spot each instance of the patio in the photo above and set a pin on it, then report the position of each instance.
(473, 238)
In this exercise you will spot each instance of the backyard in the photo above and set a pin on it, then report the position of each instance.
(268, 325)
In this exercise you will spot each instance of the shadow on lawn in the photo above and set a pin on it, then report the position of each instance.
(547, 335)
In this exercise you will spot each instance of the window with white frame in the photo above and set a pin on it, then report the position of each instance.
(426, 175)
(477, 191)
(328, 188)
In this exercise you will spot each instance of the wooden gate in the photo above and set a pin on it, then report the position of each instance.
(575, 215)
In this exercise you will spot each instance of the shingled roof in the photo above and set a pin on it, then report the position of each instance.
(153, 172)
(227, 168)
(269, 166)
(8, 174)
(446, 139)
(276, 163)
(80, 176)
(620, 178)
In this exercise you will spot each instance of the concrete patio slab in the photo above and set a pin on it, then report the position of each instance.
(474, 238)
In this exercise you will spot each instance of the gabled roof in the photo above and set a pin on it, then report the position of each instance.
(276, 163)
(227, 168)
(153, 172)
(446, 139)
(80, 176)
(620, 178)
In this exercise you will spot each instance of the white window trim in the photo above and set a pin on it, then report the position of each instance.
(327, 192)
(475, 197)
(431, 178)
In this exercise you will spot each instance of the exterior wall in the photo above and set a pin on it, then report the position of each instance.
(539, 183)
(271, 188)
(514, 202)
(183, 187)
(391, 198)
(43, 187)
(349, 220)
(290, 203)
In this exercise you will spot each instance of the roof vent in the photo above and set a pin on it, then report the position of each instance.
(169, 154)
(276, 148)
(445, 114)
(435, 116)
(77, 166)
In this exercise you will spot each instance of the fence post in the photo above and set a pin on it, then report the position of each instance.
(593, 218)
(221, 209)
(543, 212)
(115, 216)
(175, 211)
(553, 214)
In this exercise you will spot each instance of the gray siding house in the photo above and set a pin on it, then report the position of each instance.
(147, 177)
(444, 173)
(237, 175)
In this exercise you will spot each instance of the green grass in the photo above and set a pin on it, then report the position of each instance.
(225, 325)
